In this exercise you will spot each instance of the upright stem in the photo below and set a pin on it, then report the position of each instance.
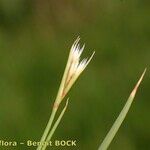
(46, 131)
(55, 125)
(55, 107)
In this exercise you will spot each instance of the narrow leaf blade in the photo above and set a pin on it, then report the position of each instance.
(112, 132)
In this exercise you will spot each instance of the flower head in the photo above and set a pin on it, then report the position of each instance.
(74, 66)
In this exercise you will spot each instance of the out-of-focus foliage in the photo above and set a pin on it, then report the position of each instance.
(35, 38)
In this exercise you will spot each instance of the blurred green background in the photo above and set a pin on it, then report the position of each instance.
(35, 38)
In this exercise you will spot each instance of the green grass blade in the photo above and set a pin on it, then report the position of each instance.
(109, 137)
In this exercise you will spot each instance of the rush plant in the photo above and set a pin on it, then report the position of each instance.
(73, 70)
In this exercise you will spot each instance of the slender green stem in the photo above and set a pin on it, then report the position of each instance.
(57, 102)
(55, 125)
(46, 131)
